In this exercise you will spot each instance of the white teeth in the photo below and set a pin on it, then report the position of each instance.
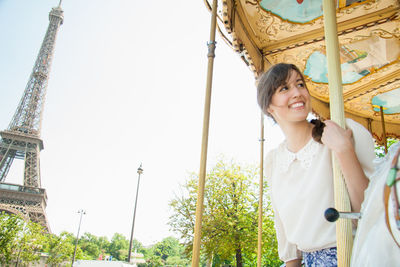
(296, 105)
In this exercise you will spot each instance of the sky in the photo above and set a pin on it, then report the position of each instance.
(127, 87)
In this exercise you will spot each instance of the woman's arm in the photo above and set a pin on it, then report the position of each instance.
(293, 263)
(340, 141)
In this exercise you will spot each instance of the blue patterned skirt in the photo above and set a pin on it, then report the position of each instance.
(321, 258)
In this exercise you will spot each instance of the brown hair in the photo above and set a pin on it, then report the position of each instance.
(269, 82)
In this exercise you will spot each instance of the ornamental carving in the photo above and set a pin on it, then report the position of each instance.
(361, 8)
(369, 38)
(363, 104)
(270, 27)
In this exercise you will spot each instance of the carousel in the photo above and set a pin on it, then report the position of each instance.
(349, 53)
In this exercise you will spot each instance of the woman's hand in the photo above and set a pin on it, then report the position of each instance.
(336, 138)
(340, 141)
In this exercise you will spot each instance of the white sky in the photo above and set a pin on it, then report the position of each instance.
(126, 87)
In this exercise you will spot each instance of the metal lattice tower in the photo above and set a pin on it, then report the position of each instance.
(22, 140)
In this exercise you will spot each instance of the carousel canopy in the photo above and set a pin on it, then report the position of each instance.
(266, 32)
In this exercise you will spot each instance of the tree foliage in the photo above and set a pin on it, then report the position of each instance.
(60, 248)
(91, 245)
(380, 150)
(167, 252)
(119, 247)
(230, 217)
(20, 241)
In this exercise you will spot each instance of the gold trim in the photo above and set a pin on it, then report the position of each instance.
(359, 80)
(342, 3)
(245, 41)
(338, 9)
(372, 85)
(344, 27)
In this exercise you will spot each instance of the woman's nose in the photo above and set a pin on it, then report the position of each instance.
(295, 91)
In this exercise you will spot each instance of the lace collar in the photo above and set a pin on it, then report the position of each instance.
(304, 155)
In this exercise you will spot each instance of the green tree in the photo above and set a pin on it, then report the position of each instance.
(119, 247)
(103, 244)
(21, 241)
(177, 261)
(10, 226)
(380, 150)
(93, 246)
(60, 248)
(167, 247)
(166, 252)
(230, 218)
(137, 246)
(153, 260)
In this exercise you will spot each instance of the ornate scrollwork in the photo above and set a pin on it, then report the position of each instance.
(270, 25)
(386, 34)
(366, 5)
(266, 26)
(253, 3)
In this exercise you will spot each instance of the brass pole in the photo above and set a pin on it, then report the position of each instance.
(383, 130)
(206, 123)
(260, 200)
(344, 236)
(369, 121)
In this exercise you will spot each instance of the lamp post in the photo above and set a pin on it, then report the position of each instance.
(139, 171)
(82, 212)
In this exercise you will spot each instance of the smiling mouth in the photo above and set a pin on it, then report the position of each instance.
(297, 105)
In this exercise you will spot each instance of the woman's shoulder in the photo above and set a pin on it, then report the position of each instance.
(275, 151)
(364, 145)
(352, 124)
(272, 155)
(359, 131)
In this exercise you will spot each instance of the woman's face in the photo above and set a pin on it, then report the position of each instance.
(291, 101)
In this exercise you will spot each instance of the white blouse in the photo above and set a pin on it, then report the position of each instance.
(301, 189)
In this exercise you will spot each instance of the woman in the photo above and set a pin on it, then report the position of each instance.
(300, 172)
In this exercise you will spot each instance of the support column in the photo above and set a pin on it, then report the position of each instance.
(344, 236)
(204, 145)
(383, 130)
(260, 198)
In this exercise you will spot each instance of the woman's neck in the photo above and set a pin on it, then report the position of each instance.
(297, 134)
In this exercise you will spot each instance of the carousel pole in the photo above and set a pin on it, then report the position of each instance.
(206, 123)
(383, 129)
(260, 198)
(344, 236)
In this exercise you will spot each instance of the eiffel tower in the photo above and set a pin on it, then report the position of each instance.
(22, 140)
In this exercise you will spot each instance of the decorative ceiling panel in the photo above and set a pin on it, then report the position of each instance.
(271, 31)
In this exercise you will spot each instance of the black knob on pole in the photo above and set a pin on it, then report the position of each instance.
(331, 215)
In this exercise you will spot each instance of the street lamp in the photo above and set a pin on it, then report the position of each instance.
(82, 212)
(139, 171)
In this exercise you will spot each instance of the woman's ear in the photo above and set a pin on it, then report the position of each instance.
(269, 110)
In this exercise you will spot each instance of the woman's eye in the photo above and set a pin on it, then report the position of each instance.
(284, 88)
(300, 85)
